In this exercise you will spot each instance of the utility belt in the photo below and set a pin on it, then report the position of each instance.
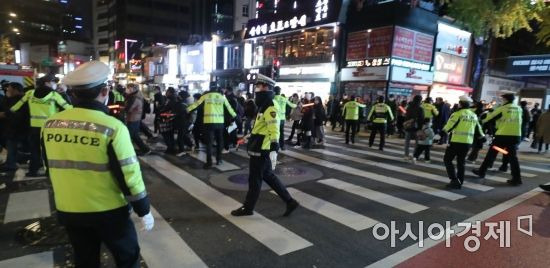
(254, 146)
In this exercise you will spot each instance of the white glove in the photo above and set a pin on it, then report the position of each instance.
(437, 137)
(147, 222)
(190, 127)
(273, 158)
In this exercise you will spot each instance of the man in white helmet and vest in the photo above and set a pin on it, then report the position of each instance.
(95, 173)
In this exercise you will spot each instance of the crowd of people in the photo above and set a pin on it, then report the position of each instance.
(85, 138)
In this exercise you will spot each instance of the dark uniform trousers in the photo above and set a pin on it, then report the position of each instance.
(381, 128)
(282, 134)
(510, 144)
(35, 149)
(213, 131)
(120, 239)
(458, 151)
(351, 125)
(260, 170)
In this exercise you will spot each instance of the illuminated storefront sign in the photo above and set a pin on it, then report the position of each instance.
(364, 74)
(449, 69)
(313, 71)
(410, 64)
(452, 40)
(307, 14)
(369, 63)
(535, 65)
(412, 76)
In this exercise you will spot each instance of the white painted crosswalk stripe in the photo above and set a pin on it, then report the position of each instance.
(438, 167)
(334, 212)
(163, 246)
(523, 167)
(394, 181)
(379, 197)
(396, 168)
(37, 260)
(272, 235)
(27, 205)
(226, 166)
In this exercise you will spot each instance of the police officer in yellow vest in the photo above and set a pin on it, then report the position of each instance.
(350, 112)
(463, 125)
(214, 104)
(43, 103)
(429, 109)
(95, 173)
(281, 103)
(508, 119)
(378, 115)
(263, 145)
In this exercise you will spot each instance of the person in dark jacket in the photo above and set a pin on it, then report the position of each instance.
(307, 123)
(441, 119)
(526, 119)
(183, 121)
(250, 110)
(198, 127)
(16, 126)
(167, 115)
(535, 114)
(392, 103)
(402, 111)
(414, 118)
(158, 103)
(230, 139)
(319, 120)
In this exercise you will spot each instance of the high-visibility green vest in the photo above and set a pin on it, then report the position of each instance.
(351, 110)
(281, 103)
(462, 124)
(78, 143)
(213, 107)
(509, 123)
(118, 97)
(429, 110)
(266, 129)
(381, 112)
(41, 109)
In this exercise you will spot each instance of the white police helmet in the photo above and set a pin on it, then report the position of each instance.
(88, 75)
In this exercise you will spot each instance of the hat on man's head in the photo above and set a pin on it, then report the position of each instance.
(465, 98)
(262, 79)
(88, 75)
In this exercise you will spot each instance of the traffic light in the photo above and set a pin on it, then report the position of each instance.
(59, 60)
(276, 68)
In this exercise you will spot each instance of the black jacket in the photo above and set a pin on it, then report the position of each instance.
(15, 124)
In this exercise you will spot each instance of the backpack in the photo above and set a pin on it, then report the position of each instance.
(146, 106)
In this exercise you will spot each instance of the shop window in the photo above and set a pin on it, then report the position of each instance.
(245, 10)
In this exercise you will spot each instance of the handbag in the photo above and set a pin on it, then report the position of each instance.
(410, 125)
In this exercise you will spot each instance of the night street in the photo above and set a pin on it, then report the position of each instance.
(344, 191)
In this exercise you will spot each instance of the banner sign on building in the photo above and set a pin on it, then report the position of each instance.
(412, 45)
(449, 69)
(367, 44)
(306, 14)
(452, 40)
(364, 74)
(412, 76)
(533, 65)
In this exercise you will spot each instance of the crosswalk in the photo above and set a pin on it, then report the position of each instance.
(376, 179)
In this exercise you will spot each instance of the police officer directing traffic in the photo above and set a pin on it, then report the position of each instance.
(379, 115)
(95, 173)
(263, 142)
(213, 119)
(508, 119)
(351, 114)
(463, 124)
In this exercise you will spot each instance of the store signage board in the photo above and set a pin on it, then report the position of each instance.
(307, 14)
(412, 76)
(364, 74)
(313, 71)
(369, 62)
(367, 44)
(412, 45)
(534, 65)
(452, 40)
(492, 86)
(449, 69)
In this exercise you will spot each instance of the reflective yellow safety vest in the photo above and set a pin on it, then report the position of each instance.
(281, 103)
(264, 132)
(381, 112)
(91, 161)
(118, 97)
(351, 110)
(213, 107)
(41, 109)
(463, 124)
(508, 120)
(429, 110)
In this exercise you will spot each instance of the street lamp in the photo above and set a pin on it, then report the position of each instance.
(13, 15)
(15, 30)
